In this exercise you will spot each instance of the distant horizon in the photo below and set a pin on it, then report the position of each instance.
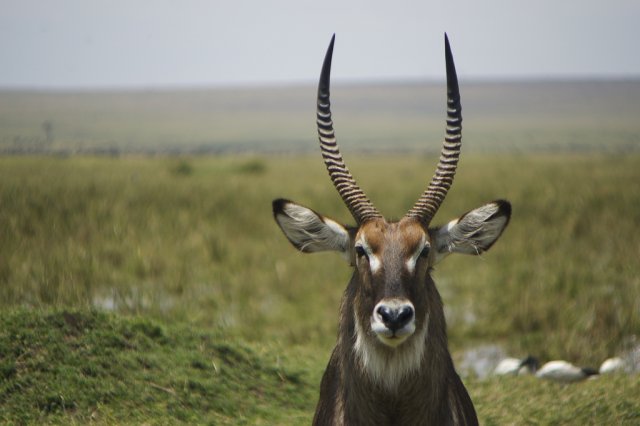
(541, 116)
(308, 83)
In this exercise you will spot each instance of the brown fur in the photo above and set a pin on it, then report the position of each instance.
(433, 393)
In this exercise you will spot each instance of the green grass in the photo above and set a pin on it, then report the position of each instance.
(611, 400)
(66, 367)
(79, 367)
(122, 281)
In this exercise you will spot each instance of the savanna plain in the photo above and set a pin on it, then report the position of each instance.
(157, 289)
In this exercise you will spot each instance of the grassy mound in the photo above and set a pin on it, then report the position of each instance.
(606, 400)
(68, 367)
(63, 367)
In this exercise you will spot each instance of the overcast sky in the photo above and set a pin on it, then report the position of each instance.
(158, 43)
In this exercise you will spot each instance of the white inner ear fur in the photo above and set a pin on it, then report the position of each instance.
(473, 233)
(374, 261)
(310, 232)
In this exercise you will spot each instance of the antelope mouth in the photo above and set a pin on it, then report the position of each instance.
(392, 338)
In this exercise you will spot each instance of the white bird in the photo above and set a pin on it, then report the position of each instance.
(564, 372)
(612, 365)
(515, 366)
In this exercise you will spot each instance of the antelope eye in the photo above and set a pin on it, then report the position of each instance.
(425, 251)
(360, 252)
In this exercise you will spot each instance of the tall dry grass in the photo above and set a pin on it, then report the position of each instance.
(193, 239)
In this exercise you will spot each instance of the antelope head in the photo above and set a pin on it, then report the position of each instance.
(391, 299)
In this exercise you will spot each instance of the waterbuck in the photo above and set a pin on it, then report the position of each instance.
(391, 363)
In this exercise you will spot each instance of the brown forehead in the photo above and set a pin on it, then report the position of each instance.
(406, 234)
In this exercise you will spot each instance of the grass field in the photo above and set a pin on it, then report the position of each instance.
(86, 367)
(153, 289)
(159, 290)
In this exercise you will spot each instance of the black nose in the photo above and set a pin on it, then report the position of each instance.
(395, 317)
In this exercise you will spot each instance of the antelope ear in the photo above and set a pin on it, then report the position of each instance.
(309, 231)
(474, 232)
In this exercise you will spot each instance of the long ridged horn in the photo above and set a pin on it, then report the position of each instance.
(427, 205)
(359, 205)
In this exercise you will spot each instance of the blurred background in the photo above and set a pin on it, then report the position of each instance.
(142, 143)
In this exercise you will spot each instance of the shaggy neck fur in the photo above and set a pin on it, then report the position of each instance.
(413, 384)
(386, 366)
